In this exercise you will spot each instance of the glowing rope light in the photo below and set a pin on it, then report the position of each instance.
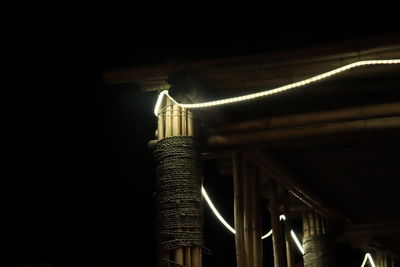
(267, 234)
(371, 260)
(282, 217)
(296, 240)
(365, 260)
(278, 89)
(216, 213)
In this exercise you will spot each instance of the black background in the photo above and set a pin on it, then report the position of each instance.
(78, 177)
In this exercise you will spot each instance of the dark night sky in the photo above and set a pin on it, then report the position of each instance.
(78, 183)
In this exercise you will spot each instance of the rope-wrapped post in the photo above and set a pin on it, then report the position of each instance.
(178, 188)
(318, 248)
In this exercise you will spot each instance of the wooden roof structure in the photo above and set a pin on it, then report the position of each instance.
(334, 144)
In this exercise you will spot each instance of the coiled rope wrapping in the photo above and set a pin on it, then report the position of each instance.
(179, 192)
(318, 251)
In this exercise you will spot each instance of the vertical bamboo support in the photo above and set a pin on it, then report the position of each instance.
(184, 121)
(306, 225)
(392, 262)
(255, 225)
(276, 228)
(190, 128)
(238, 210)
(318, 224)
(188, 257)
(196, 260)
(179, 256)
(168, 118)
(161, 123)
(323, 227)
(312, 222)
(288, 227)
(176, 120)
(248, 236)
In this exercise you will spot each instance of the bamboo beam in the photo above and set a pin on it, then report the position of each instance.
(276, 170)
(238, 209)
(306, 60)
(354, 113)
(276, 227)
(248, 235)
(269, 136)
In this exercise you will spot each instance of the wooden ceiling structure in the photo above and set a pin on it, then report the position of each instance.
(334, 144)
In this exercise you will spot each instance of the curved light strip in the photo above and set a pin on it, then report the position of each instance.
(232, 230)
(368, 257)
(216, 213)
(297, 242)
(278, 89)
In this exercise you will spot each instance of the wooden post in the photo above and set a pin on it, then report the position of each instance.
(248, 236)
(288, 227)
(276, 227)
(238, 209)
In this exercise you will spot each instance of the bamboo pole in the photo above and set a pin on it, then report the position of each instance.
(161, 123)
(190, 129)
(196, 260)
(196, 257)
(312, 222)
(238, 209)
(176, 121)
(288, 227)
(323, 227)
(188, 257)
(248, 235)
(292, 133)
(168, 118)
(179, 256)
(318, 224)
(276, 228)
(257, 254)
(184, 121)
(306, 225)
(362, 112)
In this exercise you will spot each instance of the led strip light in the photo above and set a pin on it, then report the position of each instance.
(275, 90)
(232, 230)
(368, 257)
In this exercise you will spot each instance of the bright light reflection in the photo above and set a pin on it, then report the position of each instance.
(296, 240)
(371, 260)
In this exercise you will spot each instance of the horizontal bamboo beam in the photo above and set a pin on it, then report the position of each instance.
(154, 77)
(323, 129)
(347, 114)
(277, 171)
